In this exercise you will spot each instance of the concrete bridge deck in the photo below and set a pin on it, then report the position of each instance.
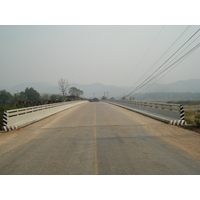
(99, 138)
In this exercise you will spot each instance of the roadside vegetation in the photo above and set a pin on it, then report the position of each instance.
(192, 114)
(30, 94)
(193, 117)
(7, 100)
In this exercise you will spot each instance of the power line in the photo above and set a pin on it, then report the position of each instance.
(145, 54)
(163, 64)
(168, 71)
(182, 51)
(189, 52)
(161, 56)
(180, 59)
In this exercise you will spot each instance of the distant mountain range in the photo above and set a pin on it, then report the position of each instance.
(192, 85)
(113, 91)
(41, 87)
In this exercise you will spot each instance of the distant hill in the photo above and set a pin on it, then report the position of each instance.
(168, 96)
(192, 85)
(99, 90)
(41, 87)
(114, 91)
(96, 88)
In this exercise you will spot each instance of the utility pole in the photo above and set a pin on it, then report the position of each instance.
(93, 95)
(107, 94)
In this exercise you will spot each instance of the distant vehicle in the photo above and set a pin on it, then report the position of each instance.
(94, 100)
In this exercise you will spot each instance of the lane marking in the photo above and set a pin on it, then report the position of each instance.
(95, 144)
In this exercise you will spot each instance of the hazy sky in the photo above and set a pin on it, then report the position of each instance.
(112, 55)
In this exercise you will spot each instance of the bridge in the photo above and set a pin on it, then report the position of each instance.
(97, 138)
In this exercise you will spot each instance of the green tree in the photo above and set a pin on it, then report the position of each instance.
(56, 97)
(73, 91)
(80, 93)
(103, 98)
(6, 98)
(44, 97)
(20, 97)
(32, 94)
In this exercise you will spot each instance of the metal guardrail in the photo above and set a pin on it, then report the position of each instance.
(169, 113)
(16, 118)
(152, 104)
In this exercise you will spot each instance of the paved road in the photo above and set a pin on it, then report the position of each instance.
(99, 138)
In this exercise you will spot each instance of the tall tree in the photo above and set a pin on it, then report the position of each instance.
(103, 98)
(32, 94)
(72, 91)
(20, 96)
(63, 85)
(56, 97)
(6, 98)
(75, 91)
(44, 97)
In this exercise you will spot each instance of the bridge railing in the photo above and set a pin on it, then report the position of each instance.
(16, 118)
(170, 113)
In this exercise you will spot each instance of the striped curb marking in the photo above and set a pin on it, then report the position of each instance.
(5, 122)
(178, 122)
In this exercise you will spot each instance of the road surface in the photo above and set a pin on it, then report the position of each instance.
(99, 138)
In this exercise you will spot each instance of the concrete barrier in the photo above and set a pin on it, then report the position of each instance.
(16, 118)
(168, 113)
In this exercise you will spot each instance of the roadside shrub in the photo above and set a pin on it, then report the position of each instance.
(197, 120)
(189, 116)
(189, 121)
(190, 112)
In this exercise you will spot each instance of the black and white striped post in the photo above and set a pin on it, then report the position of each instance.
(6, 127)
(182, 113)
(182, 118)
(5, 121)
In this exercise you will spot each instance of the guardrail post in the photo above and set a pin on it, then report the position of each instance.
(5, 120)
(182, 113)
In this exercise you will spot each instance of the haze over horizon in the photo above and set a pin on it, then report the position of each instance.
(111, 55)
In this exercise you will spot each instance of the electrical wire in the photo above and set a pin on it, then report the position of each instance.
(182, 51)
(145, 54)
(161, 56)
(181, 58)
(197, 46)
(167, 72)
(163, 64)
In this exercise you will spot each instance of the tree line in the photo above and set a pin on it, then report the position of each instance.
(30, 94)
